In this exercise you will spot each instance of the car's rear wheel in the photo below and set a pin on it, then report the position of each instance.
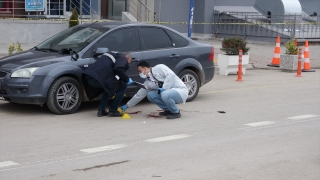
(191, 80)
(64, 96)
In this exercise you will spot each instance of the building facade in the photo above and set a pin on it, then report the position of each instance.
(258, 19)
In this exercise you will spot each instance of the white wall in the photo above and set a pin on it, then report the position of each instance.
(31, 31)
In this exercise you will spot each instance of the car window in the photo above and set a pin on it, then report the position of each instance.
(177, 39)
(155, 38)
(123, 40)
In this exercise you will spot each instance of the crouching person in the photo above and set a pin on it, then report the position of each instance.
(162, 87)
(107, 75)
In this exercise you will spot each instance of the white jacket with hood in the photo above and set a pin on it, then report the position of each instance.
(170, 81)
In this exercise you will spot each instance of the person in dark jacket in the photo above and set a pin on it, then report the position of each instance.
(108, 76)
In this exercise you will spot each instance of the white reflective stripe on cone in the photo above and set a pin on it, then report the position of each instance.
(276, 55)
(307, 60)
(306, 48)
(277, 44)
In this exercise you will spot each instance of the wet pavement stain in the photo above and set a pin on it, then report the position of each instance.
(136, 112)
(100, 166)
(154, 115)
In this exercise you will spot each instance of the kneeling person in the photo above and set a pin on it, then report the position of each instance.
(163, 88)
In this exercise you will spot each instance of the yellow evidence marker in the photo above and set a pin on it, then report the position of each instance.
(125, 115)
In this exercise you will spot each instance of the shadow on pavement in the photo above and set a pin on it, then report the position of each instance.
(12, 108)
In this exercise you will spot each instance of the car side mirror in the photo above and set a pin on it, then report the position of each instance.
(75, 56)
(100, 51)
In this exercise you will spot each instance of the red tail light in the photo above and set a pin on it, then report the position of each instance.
(211, 57)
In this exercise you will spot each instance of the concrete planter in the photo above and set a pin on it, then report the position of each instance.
(289, 62)
(229, 63)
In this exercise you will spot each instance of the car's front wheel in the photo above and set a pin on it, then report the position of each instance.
(191, 80)
(64, 96)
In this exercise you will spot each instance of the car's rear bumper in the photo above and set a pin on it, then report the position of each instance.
(25, 90)
(209, 74)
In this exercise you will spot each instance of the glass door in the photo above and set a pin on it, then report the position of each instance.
(56, 8)
(116, 7)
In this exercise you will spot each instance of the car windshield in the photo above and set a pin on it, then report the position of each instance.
(75, 39)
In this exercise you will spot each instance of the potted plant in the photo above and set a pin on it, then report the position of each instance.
(289, 60)
(229, 62)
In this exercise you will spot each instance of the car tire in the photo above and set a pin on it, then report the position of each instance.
(191, 79)
(64, 96)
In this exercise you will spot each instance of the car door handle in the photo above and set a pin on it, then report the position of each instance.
(174, 56)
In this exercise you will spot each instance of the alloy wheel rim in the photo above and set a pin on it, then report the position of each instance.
(67, 96)
(191, 83)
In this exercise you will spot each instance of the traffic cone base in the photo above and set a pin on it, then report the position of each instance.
(310, 70)
(273, 65)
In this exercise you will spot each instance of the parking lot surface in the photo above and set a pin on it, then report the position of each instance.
(265, 127)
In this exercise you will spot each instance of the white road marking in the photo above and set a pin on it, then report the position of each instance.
(104, 148)
(45, 162)
(281, 124)
(8, 163)
(307, 116)
(168, 138)
(262, 123)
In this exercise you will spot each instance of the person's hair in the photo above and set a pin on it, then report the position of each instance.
(127, 54)
(143, 64)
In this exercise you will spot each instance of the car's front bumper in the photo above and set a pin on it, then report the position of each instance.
(25, 90)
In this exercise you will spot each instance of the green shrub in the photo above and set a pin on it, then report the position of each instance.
(291, 48)
(14, 48)
(231, 46)
(74, 18)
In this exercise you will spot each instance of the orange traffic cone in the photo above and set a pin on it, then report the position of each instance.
(276, 55)
(306, 63)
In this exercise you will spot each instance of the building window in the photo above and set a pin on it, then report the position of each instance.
(5, 6)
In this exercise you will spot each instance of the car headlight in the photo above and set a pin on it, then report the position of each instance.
(24, 73)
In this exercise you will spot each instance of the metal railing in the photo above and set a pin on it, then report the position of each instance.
(255, 25)
(52, 9)
(139, 10)
(85, 11)
(16, 9)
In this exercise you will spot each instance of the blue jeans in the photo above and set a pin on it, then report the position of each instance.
(105, 96)
(167, 100)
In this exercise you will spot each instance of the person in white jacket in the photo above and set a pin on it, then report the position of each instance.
(162, 87)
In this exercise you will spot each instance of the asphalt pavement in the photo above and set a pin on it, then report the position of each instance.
(265, 127)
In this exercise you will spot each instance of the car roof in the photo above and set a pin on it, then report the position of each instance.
(114, 24)
(107, 25)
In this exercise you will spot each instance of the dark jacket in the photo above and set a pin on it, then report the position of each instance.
(105, 71)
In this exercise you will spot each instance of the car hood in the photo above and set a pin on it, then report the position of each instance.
(30, 58)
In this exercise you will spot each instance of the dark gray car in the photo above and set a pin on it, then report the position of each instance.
(50, 73)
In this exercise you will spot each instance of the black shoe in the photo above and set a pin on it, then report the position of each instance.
(164, 113)
(102, 113)
(174, 115)
(115, 114)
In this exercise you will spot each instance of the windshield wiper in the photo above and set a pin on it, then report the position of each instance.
(47, 49)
